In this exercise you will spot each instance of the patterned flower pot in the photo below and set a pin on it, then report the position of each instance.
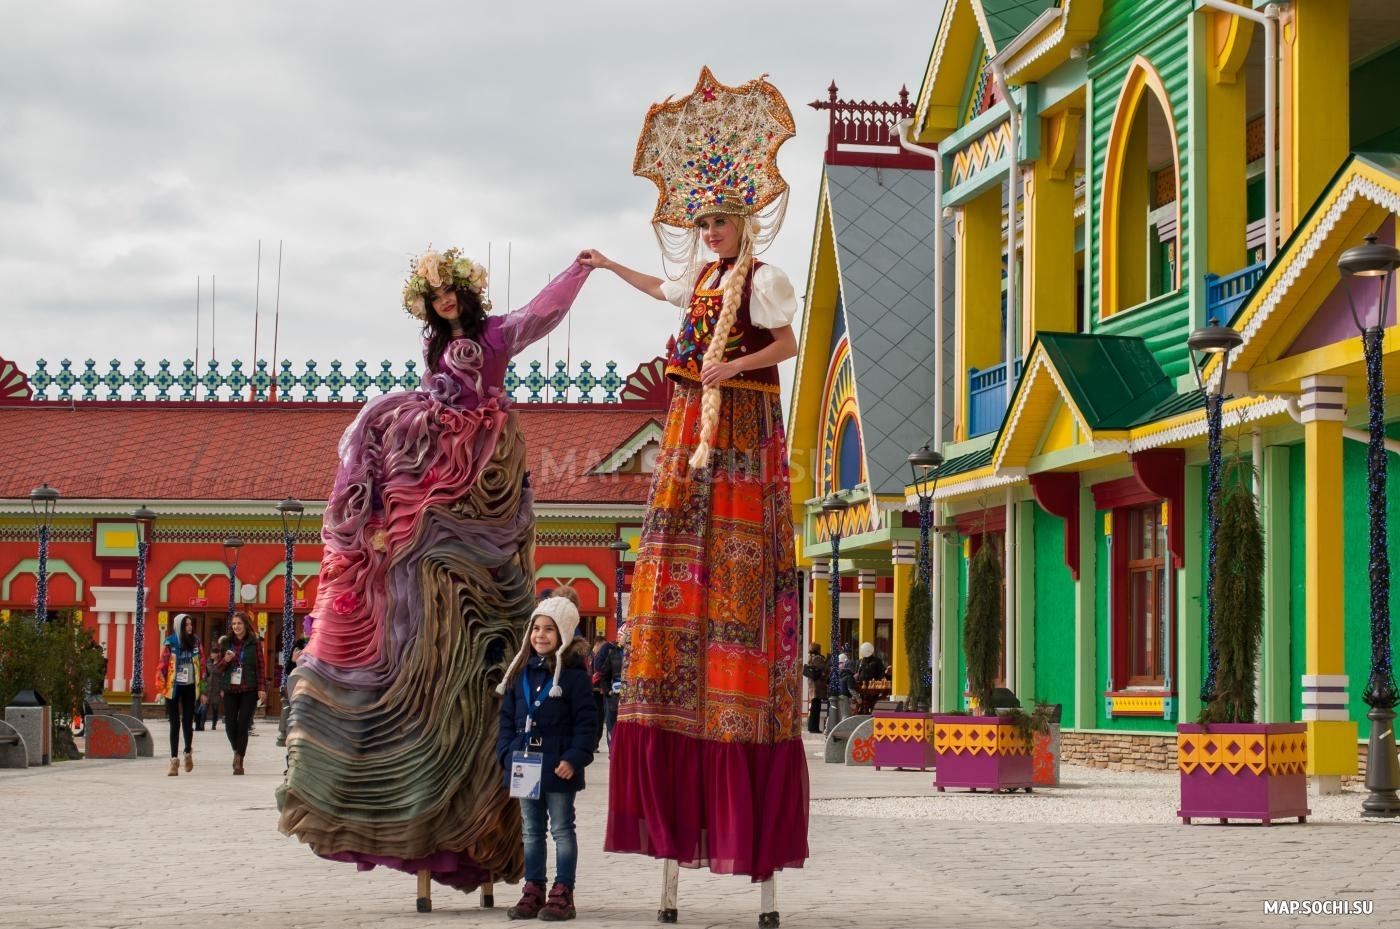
(1243, 771)
(903, 740)
(981, 753)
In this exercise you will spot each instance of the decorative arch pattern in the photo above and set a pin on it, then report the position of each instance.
(1142, 83)
(838, 407)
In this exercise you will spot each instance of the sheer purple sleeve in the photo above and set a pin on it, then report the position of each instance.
(534, 320)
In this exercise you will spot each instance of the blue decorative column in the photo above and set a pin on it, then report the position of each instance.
(833, 508)
(1378, 262)
(1213, 341)
(145, 520)
(43, 500)
(287, 509)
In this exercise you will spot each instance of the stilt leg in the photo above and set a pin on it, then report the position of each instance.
(768, 904)
(670, 877)
(488, 896)
(425, 891)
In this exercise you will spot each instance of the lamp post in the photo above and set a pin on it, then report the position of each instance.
(621, 548)
(833, 508)
(1374, 260)
(43, 500)
(1207, 343)
(291, 511)
(145, 518)
(231, 546)
(923, 465)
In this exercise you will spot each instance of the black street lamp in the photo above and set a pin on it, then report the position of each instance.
(833, 508)
(1382, 770)
(1213, 340)
(621, 548)
(923, 468)
(291, 510)
(923, 465)
(231, 546)
(43, 500)
(145, 518)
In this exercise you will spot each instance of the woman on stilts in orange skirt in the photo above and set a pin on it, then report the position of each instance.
(707, 765)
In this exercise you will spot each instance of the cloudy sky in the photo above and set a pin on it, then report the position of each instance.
(145, 147)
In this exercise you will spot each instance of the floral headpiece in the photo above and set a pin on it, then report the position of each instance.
(435, 270)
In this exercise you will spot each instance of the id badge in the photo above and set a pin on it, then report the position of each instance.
(184, 675)
(525, 773)
(236, 678)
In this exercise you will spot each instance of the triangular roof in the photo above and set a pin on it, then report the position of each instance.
(884, 227)
(146, 452)
(1005, 19)
(1106, 383)
(1297, 321)
(873, 264)
(968, 32)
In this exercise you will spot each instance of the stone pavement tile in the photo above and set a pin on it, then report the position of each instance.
(119, 845)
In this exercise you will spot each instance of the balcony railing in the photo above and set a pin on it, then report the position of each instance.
(1225, 295)
(987, 395)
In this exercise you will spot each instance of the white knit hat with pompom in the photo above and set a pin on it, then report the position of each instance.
(565, 617)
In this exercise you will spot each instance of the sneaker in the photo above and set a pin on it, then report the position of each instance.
(531, 900)
(560, 905)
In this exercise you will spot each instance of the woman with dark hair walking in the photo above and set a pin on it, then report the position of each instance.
(179, 680)
(244, 680)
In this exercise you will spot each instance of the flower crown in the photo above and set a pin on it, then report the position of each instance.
(434, 270)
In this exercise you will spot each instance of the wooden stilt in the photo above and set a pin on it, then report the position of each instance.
(425, 891)
(670, 878)
(768, 904)
(488, 895)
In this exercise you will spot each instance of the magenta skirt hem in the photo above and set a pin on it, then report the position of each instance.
(731, 807)
(448, 868)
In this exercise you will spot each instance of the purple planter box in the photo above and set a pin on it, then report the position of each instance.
(1243, 771)
(904, 740)
(981, 753)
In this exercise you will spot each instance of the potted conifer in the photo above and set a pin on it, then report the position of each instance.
(986, 750)
(1232, 767)
(904, 739)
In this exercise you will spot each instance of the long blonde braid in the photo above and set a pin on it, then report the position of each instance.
(732, 296)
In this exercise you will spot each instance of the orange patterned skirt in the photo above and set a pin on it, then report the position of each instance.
(707, 764)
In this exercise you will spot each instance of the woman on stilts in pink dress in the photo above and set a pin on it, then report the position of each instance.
(707, 766)
(426, 586)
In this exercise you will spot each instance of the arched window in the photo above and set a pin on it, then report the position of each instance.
(1140, 230)
(849, 457)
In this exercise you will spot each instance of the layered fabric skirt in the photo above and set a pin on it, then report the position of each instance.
(707, 765)
(425, 586)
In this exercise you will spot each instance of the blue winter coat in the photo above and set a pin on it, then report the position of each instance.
(565, 728)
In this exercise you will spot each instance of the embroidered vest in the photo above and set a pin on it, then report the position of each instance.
(687, 350)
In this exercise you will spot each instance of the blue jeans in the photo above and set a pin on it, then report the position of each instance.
(558, 809)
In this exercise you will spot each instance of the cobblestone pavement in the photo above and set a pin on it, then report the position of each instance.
(96, 844)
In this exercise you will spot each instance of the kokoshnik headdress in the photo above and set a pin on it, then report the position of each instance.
(433, 270)
(715, 150)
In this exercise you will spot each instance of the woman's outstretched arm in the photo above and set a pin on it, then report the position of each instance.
(646, 283)
(536, 319)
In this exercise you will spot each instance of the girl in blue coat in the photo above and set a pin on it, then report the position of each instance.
(548, 719)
